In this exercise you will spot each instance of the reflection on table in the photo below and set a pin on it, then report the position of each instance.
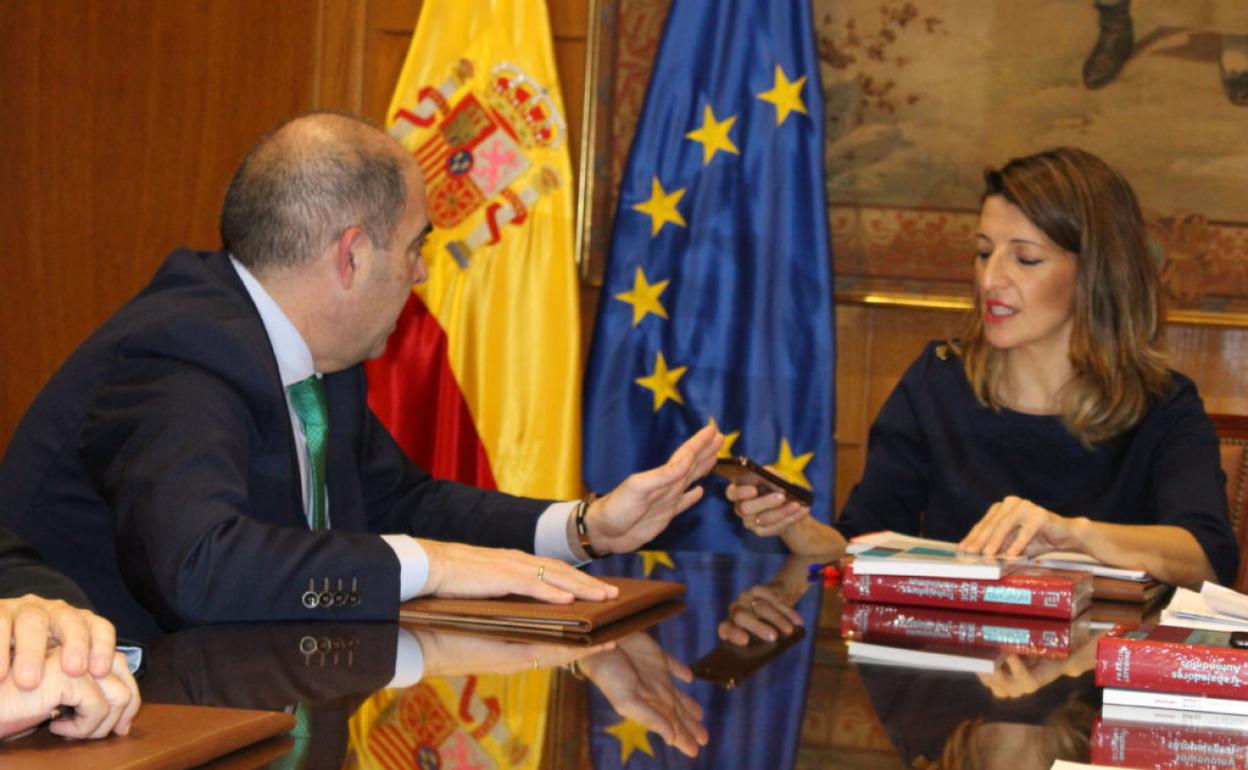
(390, 696)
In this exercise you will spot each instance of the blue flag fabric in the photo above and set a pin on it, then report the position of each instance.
(718, 299)
(758, 724)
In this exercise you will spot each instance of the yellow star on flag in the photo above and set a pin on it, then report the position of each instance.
(713, 135)
(786, 95)
(651, 559)
(661, 207)
(725, 451)
(663, 382)
(644, 297)
(631, 736)
(789, 467)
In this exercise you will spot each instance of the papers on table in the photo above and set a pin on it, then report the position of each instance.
(1225, 601)
(1081, 561)
(1207, 610)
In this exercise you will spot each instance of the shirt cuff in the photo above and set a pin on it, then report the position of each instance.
(409, 661)
(413, 564)
(551, 539)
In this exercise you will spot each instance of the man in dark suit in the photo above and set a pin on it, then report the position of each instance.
(208, 454)
(56, 652)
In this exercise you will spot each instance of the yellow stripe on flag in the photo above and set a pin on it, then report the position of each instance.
(478, 102)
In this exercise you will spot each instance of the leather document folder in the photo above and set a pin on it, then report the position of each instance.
(580, 619)
(163, 737)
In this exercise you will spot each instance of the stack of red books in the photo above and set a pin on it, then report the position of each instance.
(924, 606)
(1171, 686)
(1021, 590)
(1181, 746)
(951, 639)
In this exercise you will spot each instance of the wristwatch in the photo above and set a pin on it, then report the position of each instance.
(582, 527)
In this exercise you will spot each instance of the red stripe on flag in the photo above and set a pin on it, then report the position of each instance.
(391, 747)
(414, 393)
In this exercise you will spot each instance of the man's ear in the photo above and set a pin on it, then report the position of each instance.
(349, 253)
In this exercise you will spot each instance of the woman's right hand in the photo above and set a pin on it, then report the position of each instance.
(765, 515)
(760, 612)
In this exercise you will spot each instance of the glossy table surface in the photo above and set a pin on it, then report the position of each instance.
(484, 702)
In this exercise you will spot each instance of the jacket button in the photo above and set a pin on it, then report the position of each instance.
(311, 599)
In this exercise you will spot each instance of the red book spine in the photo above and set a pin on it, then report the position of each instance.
(1029, 591)
(1171, 659)
(1017, 634)
(1166, 747)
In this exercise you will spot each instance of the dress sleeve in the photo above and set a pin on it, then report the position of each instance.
(23, 572)
(894, 485)
(1188, 483)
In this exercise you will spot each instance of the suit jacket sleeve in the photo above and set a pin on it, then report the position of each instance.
(23, 572)
(181, 457)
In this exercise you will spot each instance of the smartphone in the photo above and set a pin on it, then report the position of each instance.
(743, 470)
(1239, 639)
(728, 665)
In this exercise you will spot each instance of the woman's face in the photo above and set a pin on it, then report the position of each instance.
(1026, 283)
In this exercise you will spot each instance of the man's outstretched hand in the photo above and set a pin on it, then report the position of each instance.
(645, 503)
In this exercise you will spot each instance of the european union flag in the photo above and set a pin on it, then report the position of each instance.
(758, 724)
(717, 304)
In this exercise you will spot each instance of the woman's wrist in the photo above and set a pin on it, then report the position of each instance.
(811, 536)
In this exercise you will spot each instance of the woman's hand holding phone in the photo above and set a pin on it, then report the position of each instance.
(767, 504)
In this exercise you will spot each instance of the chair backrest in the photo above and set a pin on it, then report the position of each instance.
(1232, 430)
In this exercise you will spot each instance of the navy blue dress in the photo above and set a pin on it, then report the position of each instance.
(937, 459)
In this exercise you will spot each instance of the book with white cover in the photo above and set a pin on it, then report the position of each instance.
(1166, 700)
(890, 539)
(1055, 559)
(925, 656)
(924, 561)
(1201, 720)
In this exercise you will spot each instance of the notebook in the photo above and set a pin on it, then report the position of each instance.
(524, 614)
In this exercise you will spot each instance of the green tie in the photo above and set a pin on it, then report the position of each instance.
(301, 733)
(308, 398)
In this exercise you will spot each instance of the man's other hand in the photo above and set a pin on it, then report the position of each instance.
(469, 571)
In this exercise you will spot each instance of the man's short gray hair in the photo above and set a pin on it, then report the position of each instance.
(305, 183)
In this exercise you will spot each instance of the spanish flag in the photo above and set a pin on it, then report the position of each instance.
(480, 382)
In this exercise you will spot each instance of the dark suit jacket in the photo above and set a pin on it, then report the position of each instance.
(157, 468)
(23, 572)
(328, 669)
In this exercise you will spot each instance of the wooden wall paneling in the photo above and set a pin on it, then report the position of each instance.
(394, 15)
(124, 120)
(569, 26)
(340, 55)
(390, 26)
(853, 358)
(570, 61)
(1216, 358)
